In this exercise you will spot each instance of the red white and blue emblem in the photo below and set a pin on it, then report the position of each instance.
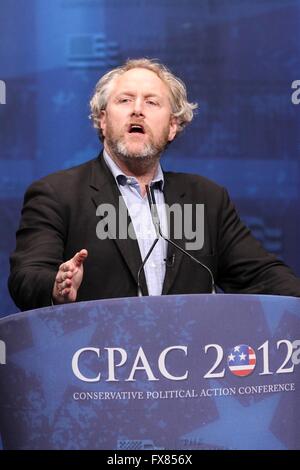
(241, 360)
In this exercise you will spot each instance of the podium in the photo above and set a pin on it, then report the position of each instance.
(169, 372)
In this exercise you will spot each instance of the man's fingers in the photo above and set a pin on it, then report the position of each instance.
(67, 266)
(79, 258)
(66, 281)
(65, 292)
(62, 276)
(64, 287)
(67, 275)
(73, 264)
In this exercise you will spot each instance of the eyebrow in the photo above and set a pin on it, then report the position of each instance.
(130, 93)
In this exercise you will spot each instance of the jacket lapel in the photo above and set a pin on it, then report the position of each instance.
(105, 190)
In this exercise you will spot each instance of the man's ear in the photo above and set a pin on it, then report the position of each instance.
(173, 128)
(102, 121)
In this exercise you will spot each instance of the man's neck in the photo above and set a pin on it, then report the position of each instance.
(144, 172)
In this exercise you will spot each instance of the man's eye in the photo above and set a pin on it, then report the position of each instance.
(152, 103)
(124, 100)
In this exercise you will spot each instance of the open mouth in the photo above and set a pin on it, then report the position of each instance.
(136, 129)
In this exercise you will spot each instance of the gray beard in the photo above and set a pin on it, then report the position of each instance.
(149, 155)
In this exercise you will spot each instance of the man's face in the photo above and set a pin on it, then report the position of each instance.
(137, 122)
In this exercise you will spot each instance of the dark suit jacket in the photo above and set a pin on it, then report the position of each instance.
(59, 218)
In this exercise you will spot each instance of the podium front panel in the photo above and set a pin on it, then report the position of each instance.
(170, 372)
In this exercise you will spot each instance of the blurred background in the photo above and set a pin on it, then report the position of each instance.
(238, 59)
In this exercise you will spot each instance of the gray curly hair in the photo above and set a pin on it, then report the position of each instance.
(181, 108)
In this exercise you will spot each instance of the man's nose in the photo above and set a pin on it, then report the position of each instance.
(138, 108)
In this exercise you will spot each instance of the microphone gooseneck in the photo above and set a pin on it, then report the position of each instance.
(139, 288)
(156, 223)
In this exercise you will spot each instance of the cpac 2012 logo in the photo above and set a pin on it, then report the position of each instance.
(241, 361)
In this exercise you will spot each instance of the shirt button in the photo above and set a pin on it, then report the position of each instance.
(128, 181)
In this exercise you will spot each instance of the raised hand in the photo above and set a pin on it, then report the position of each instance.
(68, 279)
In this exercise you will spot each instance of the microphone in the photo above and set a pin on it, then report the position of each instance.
(170, 260)
(155, 218)
(156, 223)
(139, 287)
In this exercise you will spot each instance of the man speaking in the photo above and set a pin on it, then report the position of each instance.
(87, 233)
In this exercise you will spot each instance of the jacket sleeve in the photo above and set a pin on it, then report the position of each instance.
(39, 247)
(244, 266)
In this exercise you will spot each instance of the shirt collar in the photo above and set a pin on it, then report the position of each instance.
(122, 179)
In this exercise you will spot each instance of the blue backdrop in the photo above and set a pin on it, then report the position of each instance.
(238, 58)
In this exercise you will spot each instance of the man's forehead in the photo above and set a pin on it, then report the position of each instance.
(141, 79)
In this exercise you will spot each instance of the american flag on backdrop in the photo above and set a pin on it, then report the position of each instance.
(241, 360)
